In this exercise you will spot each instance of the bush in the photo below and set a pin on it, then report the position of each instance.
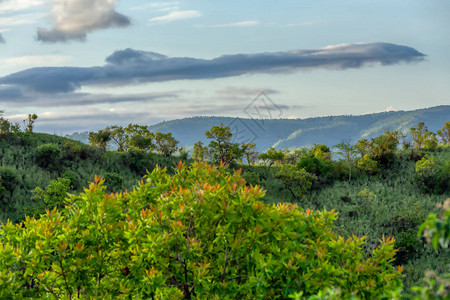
(8, 178)
(74, 178)
(48, 155)
(113, 181)
(200, 233)
(368, 165)
(433, 176)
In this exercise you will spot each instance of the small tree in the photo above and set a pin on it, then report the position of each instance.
(348, 152)
(444, 133)
(54, 194)
(221, 149)
(297, 181)
(250, 153)
(139, 137)
(363, 147)
(166, 144)
(200, 152)
(272, 156)
(29, 123)
(119, 136)
(100, 139)
(423, 138)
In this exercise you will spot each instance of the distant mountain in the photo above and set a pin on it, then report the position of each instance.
(288, 133)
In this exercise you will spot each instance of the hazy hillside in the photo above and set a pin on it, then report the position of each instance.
(285, 133)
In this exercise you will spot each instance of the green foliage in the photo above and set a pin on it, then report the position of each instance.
(221, 149)
(432, 175)
(200, 233)
(249, 152)
(6, 127)
(29, 123)
(368, 165)
(113, 181)
(437, 231)
(200, 152)
(139, 137)
(100, 139)
(423, 138)
(166, 144)
(383, 148)
(48, 155)
(320, 167)
(272, 156)
(8, 183)
(297, 181)
(348, 152)
(444, 133)
(54, 194)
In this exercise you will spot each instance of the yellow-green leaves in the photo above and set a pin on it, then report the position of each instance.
(200, 233)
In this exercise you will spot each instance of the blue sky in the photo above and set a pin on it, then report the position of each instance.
(85, 64)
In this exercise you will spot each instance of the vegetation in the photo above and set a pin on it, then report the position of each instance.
(384, 191)
(200, 233)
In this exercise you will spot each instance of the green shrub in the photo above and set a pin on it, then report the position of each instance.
(201, 233)
(8, 178)
(432, 175)
(74, 178)
(368, 165)
(113, 181)
(48, 155)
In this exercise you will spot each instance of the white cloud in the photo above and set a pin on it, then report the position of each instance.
(159, 6)
(74, 19)
(36, 61)
(238, 24)
(18, 5)
(177, 16)
(19, 19)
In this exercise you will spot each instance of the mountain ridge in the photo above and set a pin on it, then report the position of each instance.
(290, 133)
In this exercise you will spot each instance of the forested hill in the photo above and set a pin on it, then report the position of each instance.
(286, 133)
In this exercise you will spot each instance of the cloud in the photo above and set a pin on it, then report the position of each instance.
(36, 60)
(20, 19)
(241, 93)
(2, 40)
(177, 16)
(19, 97)
(158, 6)
(129, 66)
(237, 24)
(74, 19)
(18, 5)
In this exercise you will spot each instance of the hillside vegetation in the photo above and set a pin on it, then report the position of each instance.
(287, 133)
(374, 193)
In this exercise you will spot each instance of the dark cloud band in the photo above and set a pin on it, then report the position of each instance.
(131, 67)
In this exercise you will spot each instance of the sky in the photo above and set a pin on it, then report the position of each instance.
(82, 65)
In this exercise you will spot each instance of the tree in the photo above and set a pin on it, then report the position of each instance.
(272, 156)
(166, 144)
(100, 138)
(444, 133)
(221, 149)
(200, 233)
(200, 152)
(423, 138)
(119, 136)
(29, 123)
(348, 152)
(139, 137)
(250, 153)
(54, 194)
(295, 180)
(363, 147)
(383, 147)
